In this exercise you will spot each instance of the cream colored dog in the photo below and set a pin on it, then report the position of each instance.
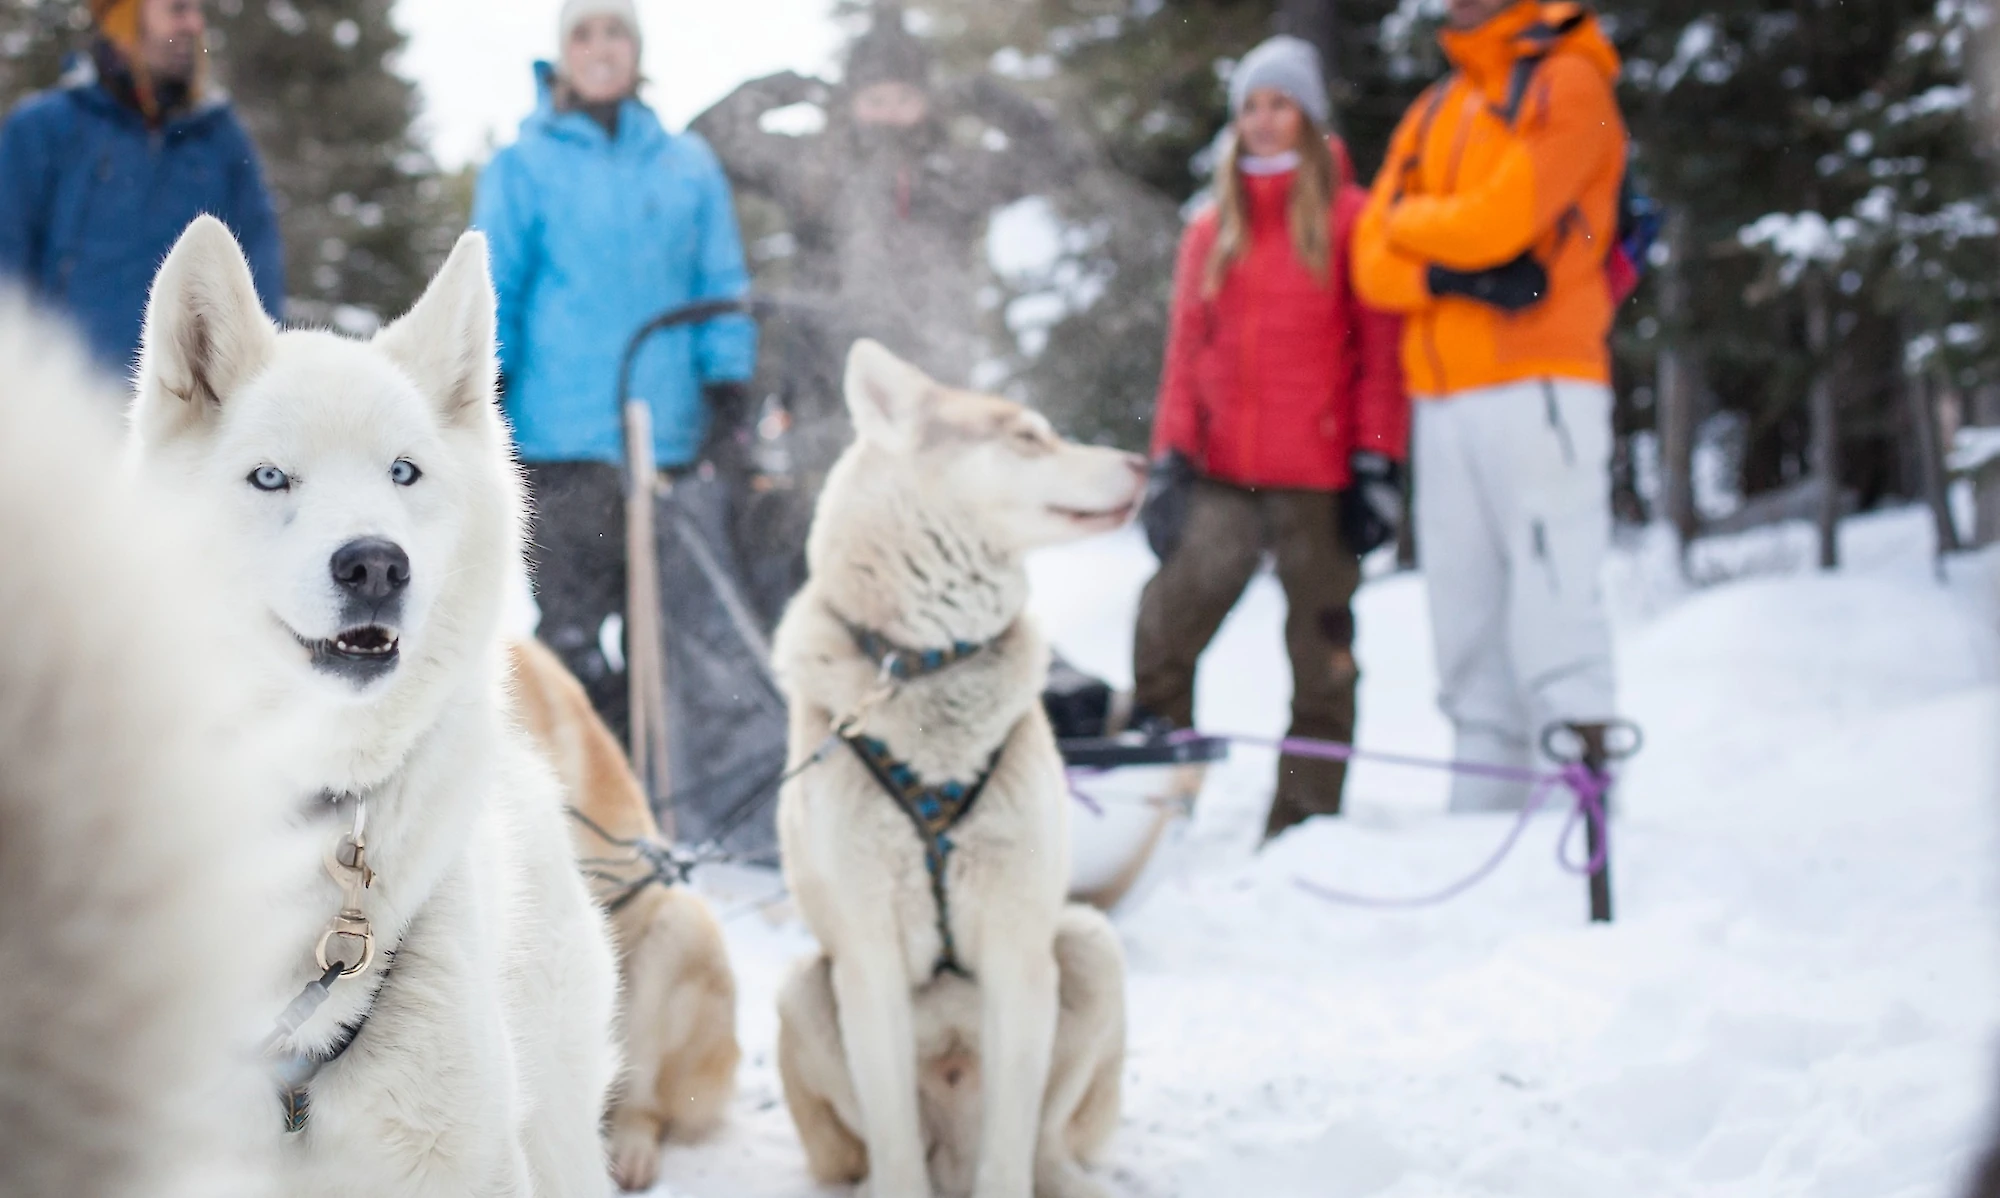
(964, 1030)
(679, 1015)
(144, 847)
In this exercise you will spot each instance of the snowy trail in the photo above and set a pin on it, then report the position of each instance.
(1799, 996)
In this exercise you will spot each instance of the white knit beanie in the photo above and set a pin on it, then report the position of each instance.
(1287, 64)
(576, 12)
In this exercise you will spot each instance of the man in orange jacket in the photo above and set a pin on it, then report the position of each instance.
(1489, 229)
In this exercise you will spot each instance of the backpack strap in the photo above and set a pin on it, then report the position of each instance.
(1517, 87)
(1438, 92)
(1543, 36)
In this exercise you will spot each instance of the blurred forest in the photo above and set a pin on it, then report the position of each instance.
(1818, 334)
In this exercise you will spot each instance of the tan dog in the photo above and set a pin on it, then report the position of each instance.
(964, 1031)
(679, 1013)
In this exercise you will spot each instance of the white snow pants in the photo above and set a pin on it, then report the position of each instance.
(1513, 510)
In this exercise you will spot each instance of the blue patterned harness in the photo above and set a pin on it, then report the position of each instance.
(932, 810)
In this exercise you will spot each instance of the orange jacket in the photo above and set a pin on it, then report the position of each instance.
(1464, 189)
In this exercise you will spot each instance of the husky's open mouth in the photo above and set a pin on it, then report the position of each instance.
(359, 654)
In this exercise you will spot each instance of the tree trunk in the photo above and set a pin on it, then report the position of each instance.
(1928, 446)
(1986, 505)
(1314, 21)
(1823, 404)
(1677, 390)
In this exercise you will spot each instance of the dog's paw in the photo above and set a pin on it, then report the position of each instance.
(1067, 1180)
(635, 1157)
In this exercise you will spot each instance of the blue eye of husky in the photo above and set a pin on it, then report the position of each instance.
(270, 478)
(404, 472)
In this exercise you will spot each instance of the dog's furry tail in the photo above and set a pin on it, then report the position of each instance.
(141, 832)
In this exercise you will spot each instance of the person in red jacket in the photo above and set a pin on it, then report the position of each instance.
(1282, 419)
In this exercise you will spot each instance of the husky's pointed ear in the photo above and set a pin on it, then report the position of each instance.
(206, 333)
(447, 340)
(886, 396)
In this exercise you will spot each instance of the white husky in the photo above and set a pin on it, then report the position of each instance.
(964, 1030)
(373, 508)
(142, 855)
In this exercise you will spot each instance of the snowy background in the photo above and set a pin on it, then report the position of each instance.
(471, 58)
(1800, 995)
(1798, 998)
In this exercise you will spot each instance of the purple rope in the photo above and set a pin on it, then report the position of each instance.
(1327, 750)
(1085, 801)
(1586, 787)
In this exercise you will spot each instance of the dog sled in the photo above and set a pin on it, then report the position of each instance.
(713, 553)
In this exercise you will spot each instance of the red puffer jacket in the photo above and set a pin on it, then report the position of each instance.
(1275, 381)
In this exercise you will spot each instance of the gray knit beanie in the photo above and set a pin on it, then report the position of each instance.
(576, 12)
(1286, 64)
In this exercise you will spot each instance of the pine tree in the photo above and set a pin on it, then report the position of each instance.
(362, 208)
(1145, 83)
(365, 216)
(34, 34)
(1823, 156)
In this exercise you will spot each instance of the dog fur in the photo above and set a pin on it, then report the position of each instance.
(678, 1022)
(143, 841)
(996, 1086)
(484, 1064)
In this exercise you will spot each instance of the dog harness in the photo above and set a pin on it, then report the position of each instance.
(933, 810)
(658, 862)
(294, 1072)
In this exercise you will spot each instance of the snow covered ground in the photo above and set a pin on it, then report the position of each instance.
(1799, 997)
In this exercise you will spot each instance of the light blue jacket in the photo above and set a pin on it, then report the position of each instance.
(591, 237)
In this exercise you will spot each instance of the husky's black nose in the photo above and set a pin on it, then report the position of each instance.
(371, 569)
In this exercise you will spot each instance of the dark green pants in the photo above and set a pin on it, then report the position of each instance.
(1228, 531)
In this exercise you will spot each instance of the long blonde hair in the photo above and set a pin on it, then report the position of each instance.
(1311, 199)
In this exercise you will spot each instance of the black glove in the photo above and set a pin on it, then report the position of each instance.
(1370, 510)
(1169, 487)
(1518, 285)
(731, 415)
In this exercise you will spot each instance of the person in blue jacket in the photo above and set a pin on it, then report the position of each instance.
(100, 176)
(599, 219)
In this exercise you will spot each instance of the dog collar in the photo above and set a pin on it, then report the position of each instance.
(900, 663)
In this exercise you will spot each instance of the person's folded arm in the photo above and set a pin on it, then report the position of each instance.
(1385, 277)
(1569, 126)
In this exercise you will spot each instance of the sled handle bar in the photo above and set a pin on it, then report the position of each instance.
(756, 307)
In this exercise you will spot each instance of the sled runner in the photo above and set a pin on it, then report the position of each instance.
(714, 551)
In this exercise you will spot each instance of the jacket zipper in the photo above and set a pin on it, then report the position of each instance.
(1556, 424)
(1462, 135)
(1246, 419)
